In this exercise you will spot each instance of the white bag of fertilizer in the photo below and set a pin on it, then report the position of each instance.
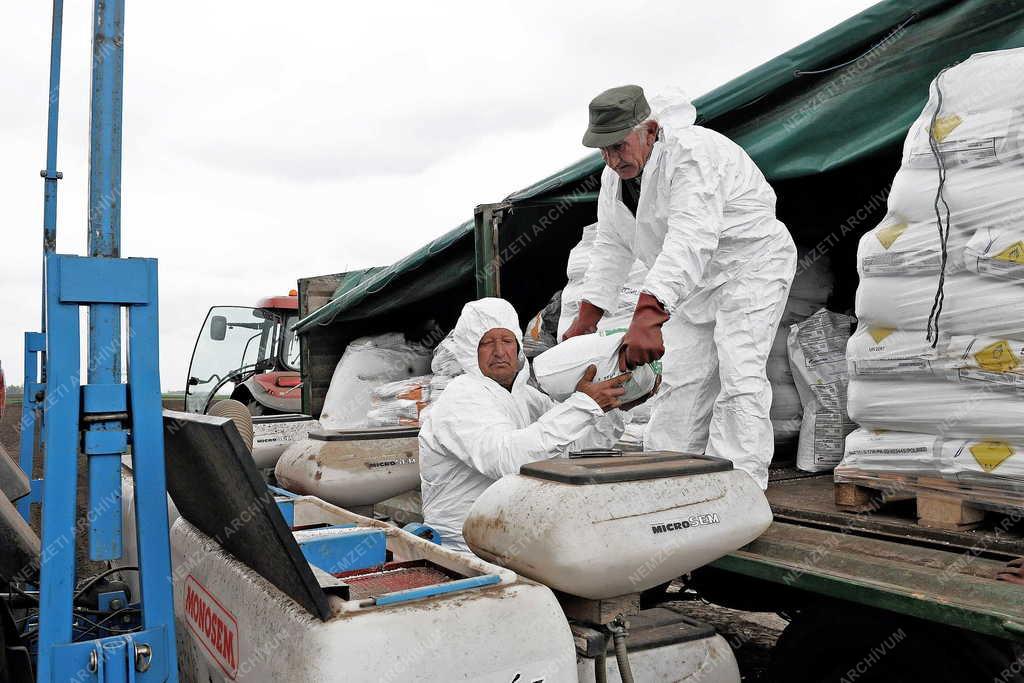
(369, 362)
(997, 465)
(560, 369)
(817, 354)
(972, 304)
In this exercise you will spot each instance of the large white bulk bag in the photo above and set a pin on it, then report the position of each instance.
(936, 407)
(367, 363)
(973, 305)
(817, 354)
(560, 369)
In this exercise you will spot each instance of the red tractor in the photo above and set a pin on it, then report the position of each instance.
(250, 355)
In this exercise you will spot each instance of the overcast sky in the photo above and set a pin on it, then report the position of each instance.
(266, 142)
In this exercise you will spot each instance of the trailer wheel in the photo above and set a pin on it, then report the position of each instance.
(836, 642)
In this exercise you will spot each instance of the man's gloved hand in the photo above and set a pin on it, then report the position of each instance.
(585, 322)
(642, 342)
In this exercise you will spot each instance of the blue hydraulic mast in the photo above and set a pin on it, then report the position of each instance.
(34, 341)
(105, 417)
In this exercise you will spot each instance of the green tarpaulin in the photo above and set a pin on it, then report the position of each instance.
(824, 121)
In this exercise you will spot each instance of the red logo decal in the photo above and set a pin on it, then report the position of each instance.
(213, 625)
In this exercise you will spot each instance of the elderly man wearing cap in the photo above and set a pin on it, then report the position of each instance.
(696, 210)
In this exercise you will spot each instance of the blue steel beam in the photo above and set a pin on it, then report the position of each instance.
(104, 221)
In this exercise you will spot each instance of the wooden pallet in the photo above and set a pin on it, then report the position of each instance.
(941, 504)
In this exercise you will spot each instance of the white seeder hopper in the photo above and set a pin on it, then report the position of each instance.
(353, 468)
(600, 530)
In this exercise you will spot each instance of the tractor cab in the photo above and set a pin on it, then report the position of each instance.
(248, 354)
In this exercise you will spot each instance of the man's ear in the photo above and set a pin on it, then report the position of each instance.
(652, 128)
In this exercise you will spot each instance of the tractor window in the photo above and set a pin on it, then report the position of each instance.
(233, 343)
(290, 345)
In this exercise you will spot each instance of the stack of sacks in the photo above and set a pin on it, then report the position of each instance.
(963, 388)
(369, 362)
(401, 403)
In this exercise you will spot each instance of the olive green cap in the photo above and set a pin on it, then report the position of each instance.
(614, 113)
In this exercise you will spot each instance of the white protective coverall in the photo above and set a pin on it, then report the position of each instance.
(478, 431)
(721, 264)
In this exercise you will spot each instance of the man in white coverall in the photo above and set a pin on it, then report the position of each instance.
(695, 209)
(489, 421)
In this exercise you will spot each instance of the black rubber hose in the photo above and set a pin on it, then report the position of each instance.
(619, 633)
(600, 669)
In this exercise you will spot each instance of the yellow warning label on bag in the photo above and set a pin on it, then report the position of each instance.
(1012, 254)
(991, 454)
(997, 357)
(890, 233)
(880, 333)
(944, 125)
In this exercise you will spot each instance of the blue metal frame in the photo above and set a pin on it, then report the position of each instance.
(35, 343)
(71, 284)
(116, 414)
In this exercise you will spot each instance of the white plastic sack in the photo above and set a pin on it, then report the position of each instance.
(998, 251)
(973, 305)
(812, 286)
(414, 389)
(817, 354)
(886, 354)
(787, 432)
(444, 361)
(977, 197)
(396, 412)
(786, 404)
(367, 363)
(896, 247)
(933, 406)
(559, 370)
(991, 464)
(979, 119)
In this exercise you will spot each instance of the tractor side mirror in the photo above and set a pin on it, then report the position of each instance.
(218, 328)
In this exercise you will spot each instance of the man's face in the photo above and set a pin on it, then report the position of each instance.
(498, 356)
(628, 157)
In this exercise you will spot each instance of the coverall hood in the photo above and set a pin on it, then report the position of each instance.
(476, 320)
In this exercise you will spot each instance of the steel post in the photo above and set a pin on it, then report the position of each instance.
(104, 223)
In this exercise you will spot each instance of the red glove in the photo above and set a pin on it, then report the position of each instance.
(642, 342)
(585, 322)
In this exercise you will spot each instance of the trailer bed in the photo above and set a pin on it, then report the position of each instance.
(883, 559)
